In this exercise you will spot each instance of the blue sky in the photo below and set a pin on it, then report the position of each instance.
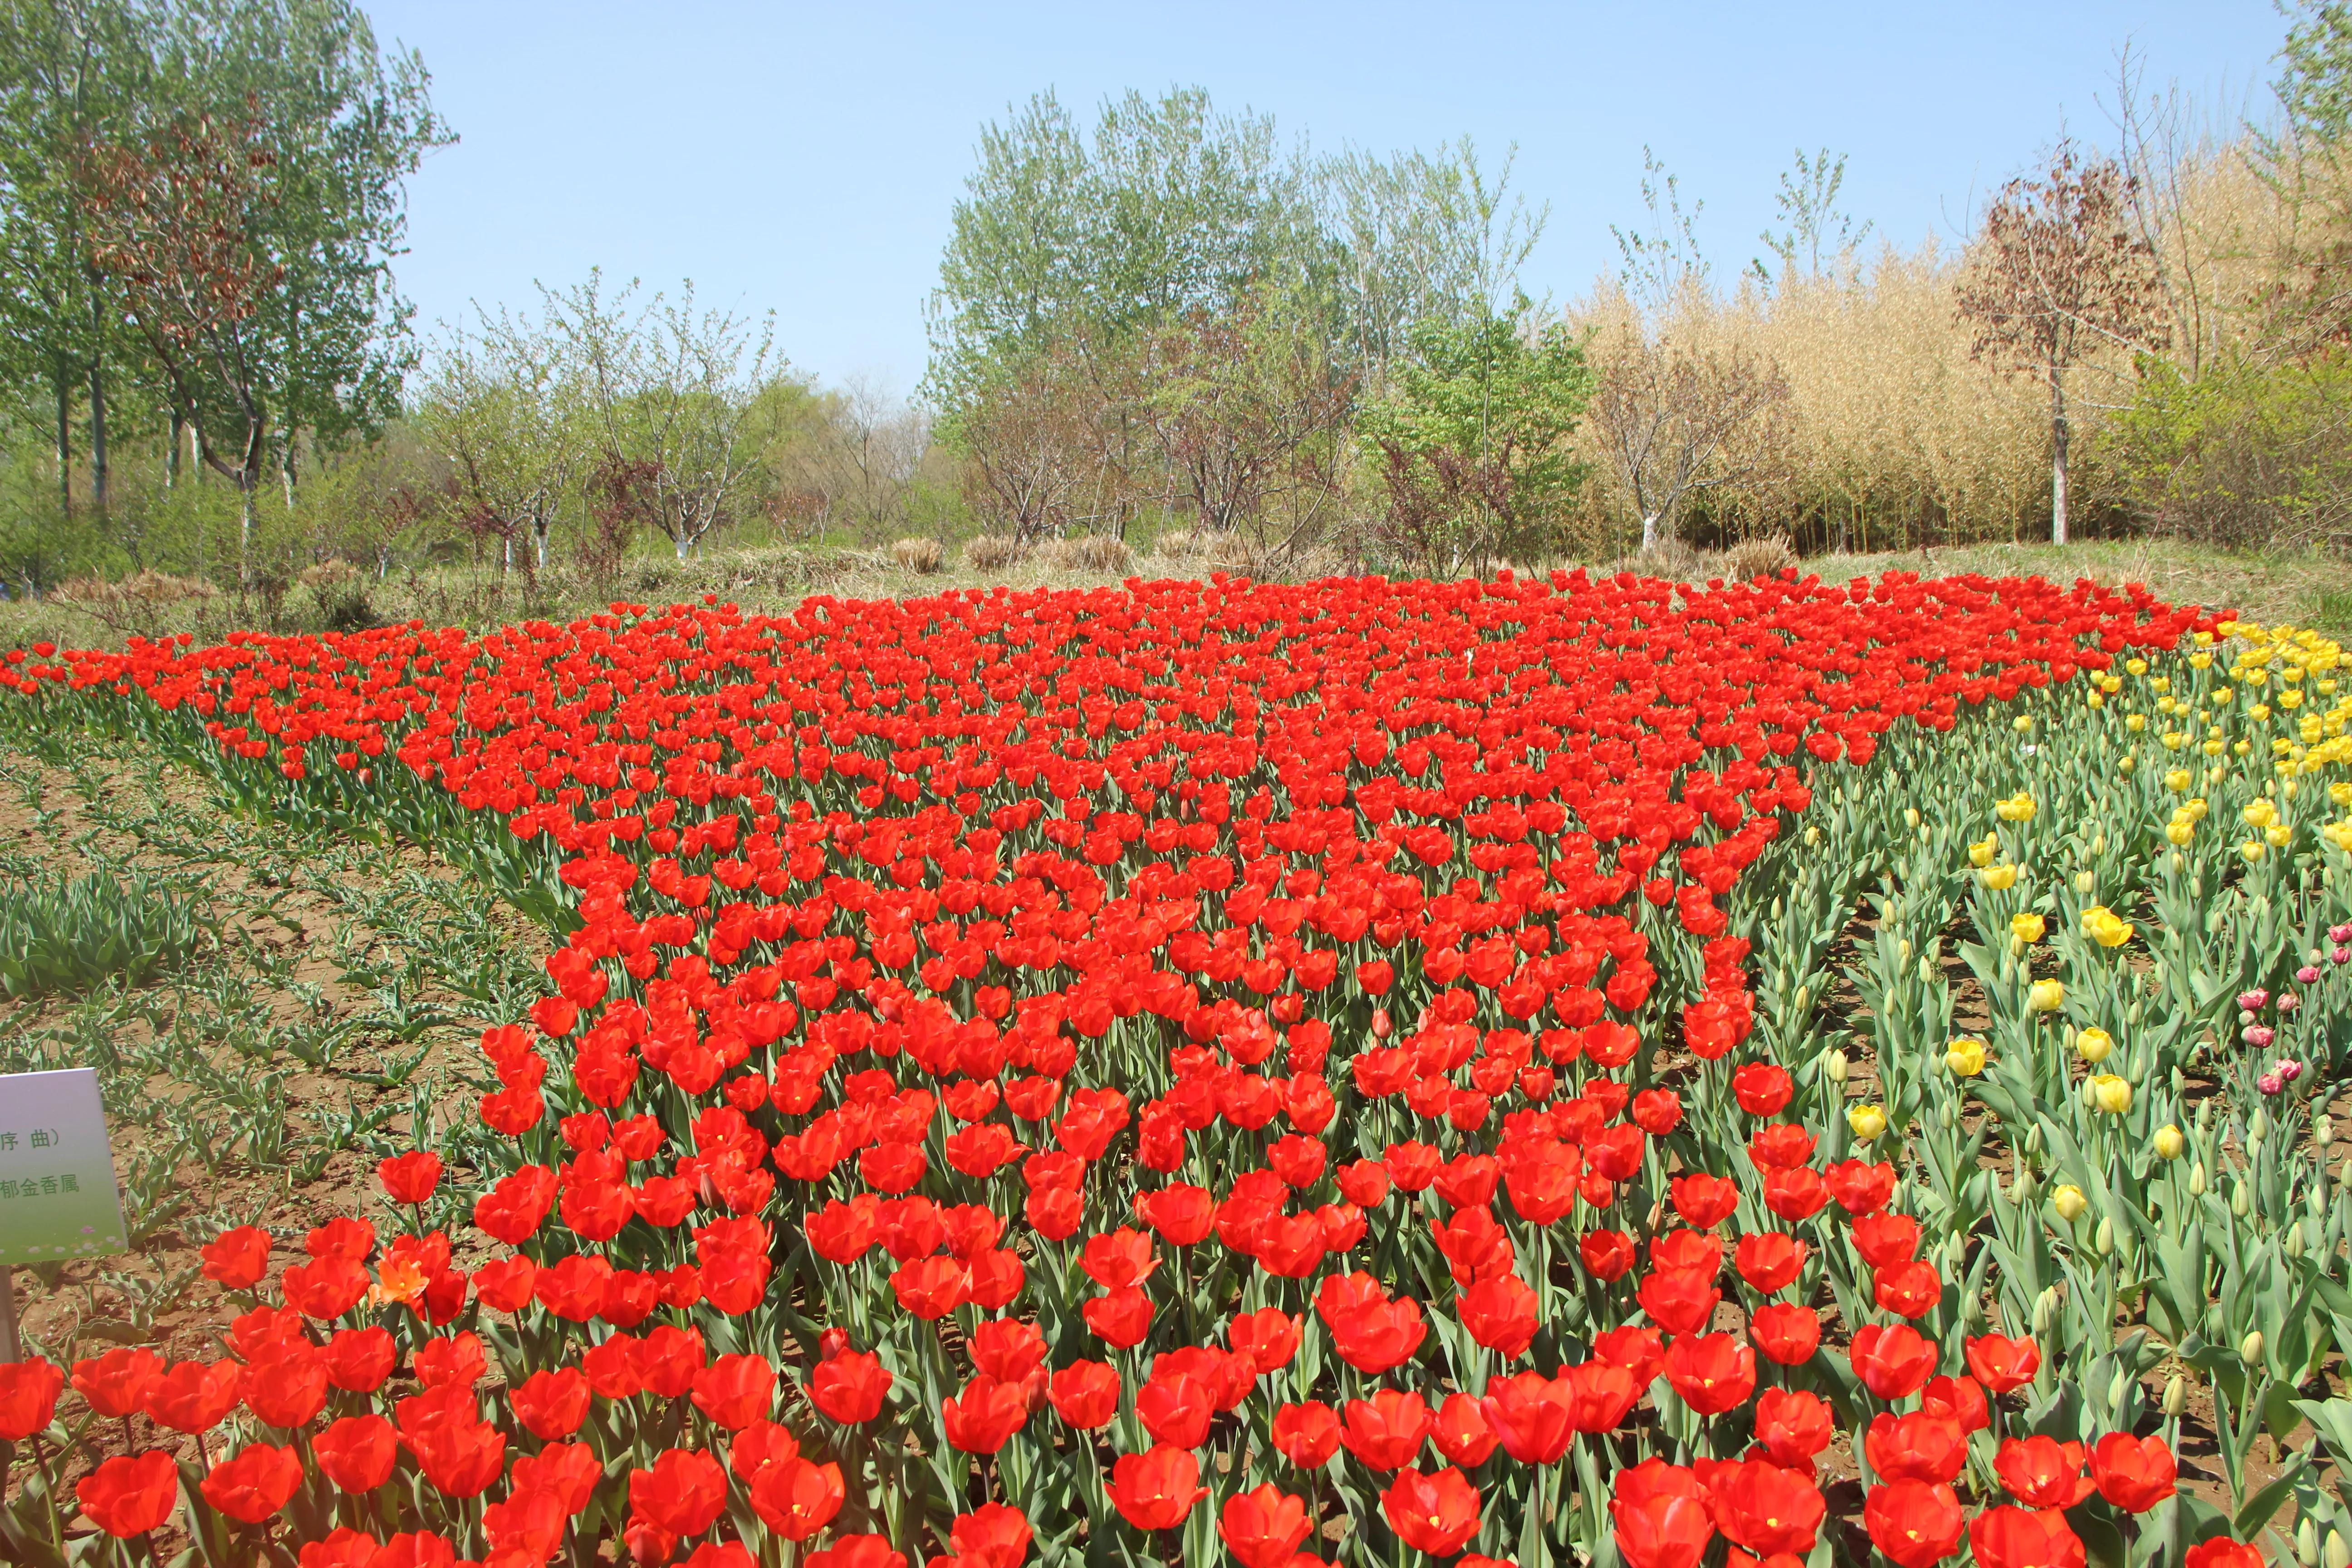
(803, 158)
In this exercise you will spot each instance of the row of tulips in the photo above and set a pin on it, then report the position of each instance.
(1133, 1073)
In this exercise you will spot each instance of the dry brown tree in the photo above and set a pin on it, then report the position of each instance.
(178, 224)
(1675, 421)
(2058, 279)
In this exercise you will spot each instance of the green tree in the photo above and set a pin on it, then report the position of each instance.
(503, 405)
(1472, 445)
(71, 72)
(1168, 208)
(668, 396)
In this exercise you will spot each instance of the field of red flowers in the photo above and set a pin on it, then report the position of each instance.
(1213, 1069)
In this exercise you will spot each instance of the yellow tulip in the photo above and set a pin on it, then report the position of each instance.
(2178, 780)
(2169, 1142)
(1981, 852)
(2045, 996)
(1999, 878)
(2070, 1202)
(2105, 927)
(2093, 1045)
(1867, 1120)
(2018, 807)
(2111, 1094)
(2181, 829)
(2025, 927)
(1965, 1056)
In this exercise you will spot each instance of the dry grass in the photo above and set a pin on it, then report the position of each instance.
(920, 556)
(1097, 554)
(989, 553)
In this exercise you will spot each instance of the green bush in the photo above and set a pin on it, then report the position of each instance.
(67, 937)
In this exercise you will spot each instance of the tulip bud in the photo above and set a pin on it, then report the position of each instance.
(1775, 910)
(2307, 1544)
(2021, 1191)
(1903, 950)
(2169, 1142)
(2070, 1202)
(2293, 1246)
(1834, 1066)
(2337, 1552)
(2323, 1131)
(1910, 817)
(2258, 1126)
(1804, 997)
(2033, 1138)
(2176, 1395)
(2197, 1183)
(1927, 970)
(2250, 1349)
(1947, 1117)
(2104, 1237)
(2085, 881)
(2242, 1200)
(2118, 1387)
(2045, 1311)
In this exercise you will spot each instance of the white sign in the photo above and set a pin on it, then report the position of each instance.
(57, 1197)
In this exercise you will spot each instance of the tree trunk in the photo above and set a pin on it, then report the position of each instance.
(98, 434)
(65, 443)
(248, 481)
(538, 541)
(172, 458)
(1649, 531)
(2057, 457)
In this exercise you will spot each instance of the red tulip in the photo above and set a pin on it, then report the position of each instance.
(1663, 1532)
(1915, 1523)
(1916, 1448)
(116, 1384)
(857, 1552)
(1308, 1435)
(2042, 1472)
(1769, 1261)
(684, 1493)
(193, 1397)
(1907, 1290)
(1680, 1301)
(237, 1260)
(1461, 1432)
(2223, 1552)
(1787, 1333)
(1534, 1416)
(1499, 1313)
(992, 1536)
(1792, 1426)
(357, 1453)
(1893, 1363)
(1712, 1372)
(1435, 1514)
(551, 1404)
(1386, 1431)
(1120, 1319)
(1765, 1510)
(410, 1178)
(797, 1496)
(2024, 1538)
(1085, 1395)
(735, 1391)
(984, 1416)
(1156, 1490)
(1176, 1410)
(1263, 1528)
(28, 1397)
(2002, 1365)
(850, 1388)
(255, 1484)
(2134, 1473)
(129, 1495)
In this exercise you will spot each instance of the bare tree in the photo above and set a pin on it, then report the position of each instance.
(670, 387)
(1247, 409)
(2058, 278)
(1027, 449)
(1675, 421)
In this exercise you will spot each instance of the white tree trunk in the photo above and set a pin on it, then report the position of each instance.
(1649, 532)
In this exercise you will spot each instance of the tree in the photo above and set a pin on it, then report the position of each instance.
(503, 405)
(1247, 409)
(1473, 445)
(177, 224)
(2056, 279)
(1675, 421)
(1811, 220)
(671, 389)
(1027, 450)
(70, 71)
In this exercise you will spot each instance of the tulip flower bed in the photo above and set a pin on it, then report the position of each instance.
(1338, 1073)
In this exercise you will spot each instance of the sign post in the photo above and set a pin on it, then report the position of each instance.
(57, 1197)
